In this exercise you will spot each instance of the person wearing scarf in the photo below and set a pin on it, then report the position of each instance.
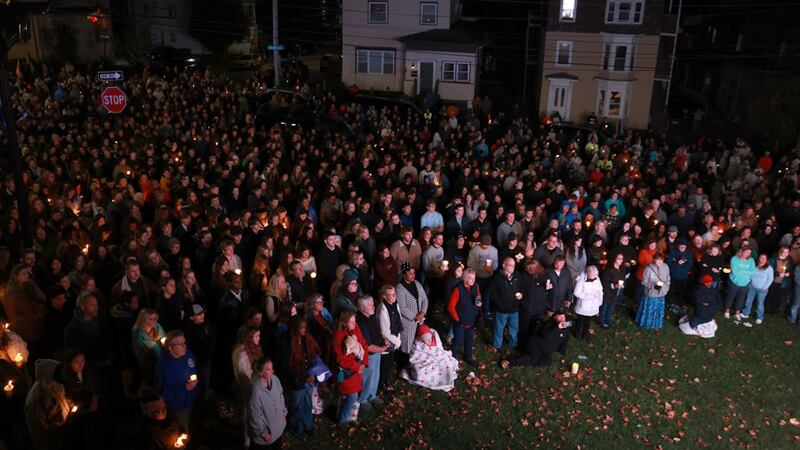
(391, 324)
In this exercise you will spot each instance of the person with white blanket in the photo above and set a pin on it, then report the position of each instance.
(588, 298)
(430, 366)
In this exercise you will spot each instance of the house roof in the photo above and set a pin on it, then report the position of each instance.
(440, 40)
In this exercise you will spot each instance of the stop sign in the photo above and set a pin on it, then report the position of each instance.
(113, 99)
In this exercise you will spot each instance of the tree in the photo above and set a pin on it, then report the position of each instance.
(773, 109)
(217, 23)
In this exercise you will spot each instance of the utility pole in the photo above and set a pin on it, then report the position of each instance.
(276, 56)
(13, 153)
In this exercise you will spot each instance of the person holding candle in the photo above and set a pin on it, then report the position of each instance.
(391, 326)
(434, 267)
(655, 282)
(588, 298)
(613, 281)
(711, 263)
(465, 308)
(412, 302)
(742, 267)
(483, 259)
(507, 293)
(146, 336)
(24, 303)
(760, 282)
(245, 353)
(173, 372)
(680, 261)
(644, 259)
(157, 429)
(47, 407)
(780, 291)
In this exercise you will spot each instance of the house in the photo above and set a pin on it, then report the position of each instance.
(66, 30)
(163, 23)
(606, 57)
(409, 46)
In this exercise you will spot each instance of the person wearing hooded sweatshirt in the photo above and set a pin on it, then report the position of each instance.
(267, 408)
(680, 261)
(348, 293)
(46, 408)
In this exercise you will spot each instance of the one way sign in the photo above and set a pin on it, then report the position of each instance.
(110, 75)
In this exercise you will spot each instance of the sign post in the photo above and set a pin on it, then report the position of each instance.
(113, 99)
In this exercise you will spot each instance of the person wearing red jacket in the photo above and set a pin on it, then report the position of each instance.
(351, 360)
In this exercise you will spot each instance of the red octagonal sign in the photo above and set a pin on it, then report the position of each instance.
(113, 99)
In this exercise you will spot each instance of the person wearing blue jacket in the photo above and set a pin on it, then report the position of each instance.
(177, 377)
(742, 268)
(680, 261)
(759, 286)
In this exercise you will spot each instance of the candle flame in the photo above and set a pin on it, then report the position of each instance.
(313, 274)
(9, 386)
(74, 409)
(163, 340)
(237, 271)
(181, 441)
(18, 358)
(6, 326)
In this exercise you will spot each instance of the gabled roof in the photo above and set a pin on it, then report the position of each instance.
(440, 40)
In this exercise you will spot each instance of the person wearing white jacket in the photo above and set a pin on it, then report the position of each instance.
(588, 298)
(391, 328)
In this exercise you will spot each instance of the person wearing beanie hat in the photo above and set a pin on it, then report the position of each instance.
(348, 293)
(707, 301)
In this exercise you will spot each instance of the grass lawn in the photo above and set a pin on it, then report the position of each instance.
(636, 389)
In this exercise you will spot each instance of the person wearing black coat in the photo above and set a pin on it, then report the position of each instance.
(158, 429)
(56, 319)
(535, 299)
(201, 338)
(613, 281)
(505, 294)
(561, 285)
(707, 301)
(553, 336)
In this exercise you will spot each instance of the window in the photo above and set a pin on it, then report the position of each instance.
(567, 11)
(375, 62)
(378, 12)
(618, 52)
(428, 13)
(563, 53)
(457, 72)
(624, 12)
(611, 98)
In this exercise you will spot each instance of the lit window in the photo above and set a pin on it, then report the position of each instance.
(567, 10)
(378, 12)
(428, 13)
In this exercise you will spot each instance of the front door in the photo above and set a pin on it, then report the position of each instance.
(559, 99)
(425, 78)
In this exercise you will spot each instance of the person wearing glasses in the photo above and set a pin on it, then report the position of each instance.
(177, 377)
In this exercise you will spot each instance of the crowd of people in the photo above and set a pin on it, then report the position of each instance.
(181, 252)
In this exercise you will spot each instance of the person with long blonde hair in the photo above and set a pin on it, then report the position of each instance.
(277, 292)
(146, 337)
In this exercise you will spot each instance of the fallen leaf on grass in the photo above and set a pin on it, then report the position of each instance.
(787, 342)
(795, 421)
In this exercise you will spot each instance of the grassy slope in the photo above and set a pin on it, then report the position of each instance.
(637, 389)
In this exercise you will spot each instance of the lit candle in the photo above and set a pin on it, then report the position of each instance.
(163, 340)
(588, 223)
(445, 264)
(74, 409)
(655, 222)
(489, 262)
(518, 295)
(575, 367)
(633, 262)
(659, 284)
(520, 257)
(237, 271)
(127, 172)
(621, 283)
(181, 441)
(9, 388)
(727, 270)
(192, 377)
(18, 359)
(85, 249)
(176, 159)
(6, 326)
(313, 275)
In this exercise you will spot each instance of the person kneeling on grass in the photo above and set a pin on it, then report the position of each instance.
(707, 301)
(553, 336)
